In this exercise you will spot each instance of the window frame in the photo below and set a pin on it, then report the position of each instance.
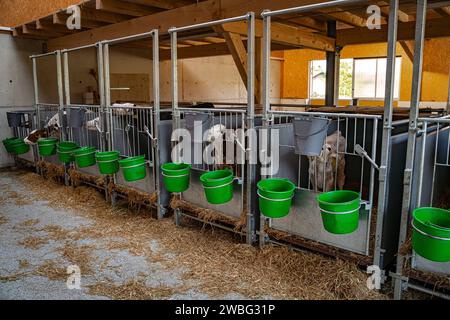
(310, 79)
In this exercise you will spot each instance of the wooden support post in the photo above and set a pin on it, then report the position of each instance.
(239, 53)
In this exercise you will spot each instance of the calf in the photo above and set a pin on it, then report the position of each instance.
(329, 166)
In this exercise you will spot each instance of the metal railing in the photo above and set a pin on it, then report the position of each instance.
(131, 131)
(440, 155)
(359, 134)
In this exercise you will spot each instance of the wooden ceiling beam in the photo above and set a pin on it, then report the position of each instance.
(17, 32)
(46, 25)
(196, 13)
(402, 16)
(345, 17)
(163, 4)
(408, 47)
(60, 18)
(31, 29)
(435, 28)
(102, 16)
(282, 33)
(310, 23)
(127, 8)
(444, 11)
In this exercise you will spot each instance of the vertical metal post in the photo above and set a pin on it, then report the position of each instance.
(251, 168)
(65, 56)
(387, 129)
(156, 110)
(101, 93)
(107, 93)
(36, 108)
(174, 60)
(332, 58)
(35, 83)
(413, 115)
(267, 39)
(60, 94)
(59, 73)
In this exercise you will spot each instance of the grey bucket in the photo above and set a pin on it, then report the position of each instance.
(15, 119)
(197, 119)
(309, 135)
(76, 117)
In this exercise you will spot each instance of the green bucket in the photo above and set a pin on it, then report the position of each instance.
(7, 143)
(65, 151)
(176, 176)
(85, 157)
(218, 186)
(431, 233)
(340, 211)
(108, 162)
(47, 146)
(133, 168)
(275, 197)
(18, 146)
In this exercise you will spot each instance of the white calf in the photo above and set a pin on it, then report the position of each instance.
(328, 169)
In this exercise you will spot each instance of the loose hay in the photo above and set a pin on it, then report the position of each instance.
(136, 198)
(51, 171)
(78, 178)
(133, 289)
(209, 215)
(28, 223)
(214, 263)
(32, 242)
(23, 264)
(3, 220)
(79, 255)
(50, 270)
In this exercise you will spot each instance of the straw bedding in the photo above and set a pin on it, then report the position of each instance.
(136, 199)
(51, 171)
(213, 262)
(77, 178)
(209, 215)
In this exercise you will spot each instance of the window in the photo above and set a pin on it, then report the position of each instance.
(358, 78)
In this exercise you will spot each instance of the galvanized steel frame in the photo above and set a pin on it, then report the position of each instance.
(250, 114)
(388, 103)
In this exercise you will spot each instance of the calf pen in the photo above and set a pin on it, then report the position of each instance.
(375, 239)
(430, 188)
(22, 123)
(235, 215)
(136, 133)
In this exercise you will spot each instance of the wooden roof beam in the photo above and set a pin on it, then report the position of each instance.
(163, 4)
(384, 7)
(282, 33)
(102, 16)
(60, 18)
(435, 28)
(127, 8)
(196, 13)
(345, 17)
(408, 47)
(46, 25)
(31, 29)
(444, 11)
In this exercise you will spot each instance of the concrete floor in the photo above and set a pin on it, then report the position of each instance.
(22, 218)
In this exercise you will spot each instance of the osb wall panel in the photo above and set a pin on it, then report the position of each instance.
(16, 12)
